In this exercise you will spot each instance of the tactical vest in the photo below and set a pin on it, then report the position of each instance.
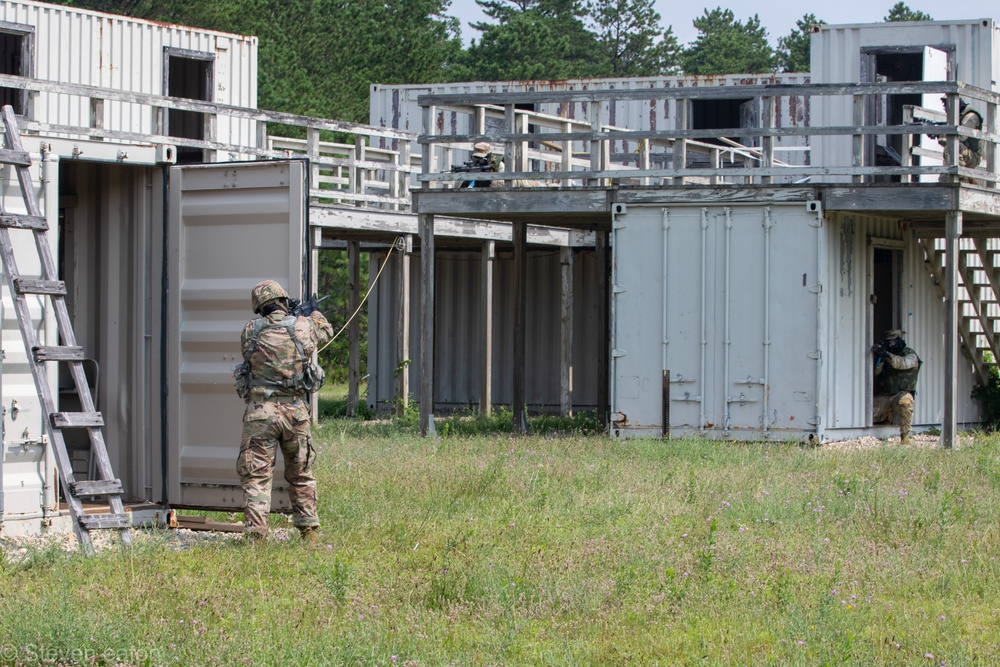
(974, 120)
(891, 381)
(310, 379)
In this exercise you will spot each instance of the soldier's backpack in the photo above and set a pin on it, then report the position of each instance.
(309, 380)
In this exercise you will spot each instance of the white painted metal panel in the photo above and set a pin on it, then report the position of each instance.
(95, 49)
(231, 225)
(735, 323)
(848, 244)
(25, 471)
(836, 58)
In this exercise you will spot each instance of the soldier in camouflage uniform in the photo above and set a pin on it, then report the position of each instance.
(276, 414)
(896, 370)
(969, 149)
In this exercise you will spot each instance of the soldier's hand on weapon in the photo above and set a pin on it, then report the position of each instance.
(307, 307)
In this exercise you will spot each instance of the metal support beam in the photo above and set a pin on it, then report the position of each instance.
(953, 230)
(566, 331)
(403, 330)
(427, 325)
(521, 292)
(353, 329)
(488, 263)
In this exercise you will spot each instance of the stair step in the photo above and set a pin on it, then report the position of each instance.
(19, 158)
(29, 286)
(58, 353)
(77, 419)
(104, 521)
(19, 221)
(98, 487)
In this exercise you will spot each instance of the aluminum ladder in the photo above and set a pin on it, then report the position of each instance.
(51, 288)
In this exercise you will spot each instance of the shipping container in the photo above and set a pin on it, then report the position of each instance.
(754, 321)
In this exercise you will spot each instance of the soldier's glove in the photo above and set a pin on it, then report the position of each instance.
(878, 349)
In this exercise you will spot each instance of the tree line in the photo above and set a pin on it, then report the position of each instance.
(319, 57)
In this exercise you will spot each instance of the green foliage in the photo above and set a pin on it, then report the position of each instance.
(988, 395)
(631, 40)
(335, 283)
(531, 39)
(793, 49)
(728, 46)
(901, 12)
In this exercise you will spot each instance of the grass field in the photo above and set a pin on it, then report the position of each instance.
(557, 550)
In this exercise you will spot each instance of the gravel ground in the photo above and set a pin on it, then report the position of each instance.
(17, 549)
(868, 442)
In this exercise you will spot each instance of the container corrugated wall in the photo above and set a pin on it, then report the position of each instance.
(836, 58)
(457, 330)
(849, 242)
(93, 49)
(396, 106)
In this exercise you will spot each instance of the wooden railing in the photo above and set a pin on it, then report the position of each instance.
(354, 170)
(557, 152)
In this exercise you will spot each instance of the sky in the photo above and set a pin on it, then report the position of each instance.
(777, 16)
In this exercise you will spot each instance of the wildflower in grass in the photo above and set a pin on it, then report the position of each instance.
(941, 617)
(800, 643)
(929, 656)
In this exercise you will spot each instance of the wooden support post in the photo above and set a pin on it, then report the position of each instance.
(951, 151)
(486, 328)
(991, 148)
(567, 148)
(404, 176)
(403, 333)
(680, 145)
(953, 231)
(509, 151)
(360, 175)
(858, 141)
(520, 292)
(596, 145)
(767, 141)
(603, 386)
(312, 151)
(426, 223)
(353, 330)
(566, 331)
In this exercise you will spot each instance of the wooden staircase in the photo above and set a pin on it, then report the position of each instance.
(978, 296)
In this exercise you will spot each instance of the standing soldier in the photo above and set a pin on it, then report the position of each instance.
(896, 370)
(276, 374)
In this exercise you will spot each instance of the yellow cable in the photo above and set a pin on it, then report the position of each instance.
(370, 288)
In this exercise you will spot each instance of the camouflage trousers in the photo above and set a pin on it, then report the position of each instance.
(268, 425)
(900, 405)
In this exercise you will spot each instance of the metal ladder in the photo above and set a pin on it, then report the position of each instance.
(68, 352)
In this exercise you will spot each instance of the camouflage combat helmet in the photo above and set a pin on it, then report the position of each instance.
(265, 291)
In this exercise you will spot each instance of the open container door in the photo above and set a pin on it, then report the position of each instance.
(935, 68)
(231, 226)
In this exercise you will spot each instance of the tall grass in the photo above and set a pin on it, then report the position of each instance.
(549, 550)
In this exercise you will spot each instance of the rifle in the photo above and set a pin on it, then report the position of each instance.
(472, 166)
(305, 307)
(881, 352)
(929, 123)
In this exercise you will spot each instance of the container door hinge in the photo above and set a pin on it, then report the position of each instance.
(815, 421)
(816, 289)
(617, 289)
(817, 355)
(618, 353)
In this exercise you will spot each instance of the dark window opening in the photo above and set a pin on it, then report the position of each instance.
(721, 115)
(15, 60)
(889, 110)
(188, 78)
(886, 272)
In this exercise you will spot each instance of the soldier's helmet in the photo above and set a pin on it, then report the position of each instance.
(265, 292)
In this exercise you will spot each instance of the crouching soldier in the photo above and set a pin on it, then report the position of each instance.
(896, 370)
(276, 374)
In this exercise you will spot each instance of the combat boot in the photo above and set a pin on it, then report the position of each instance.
(309, 534)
